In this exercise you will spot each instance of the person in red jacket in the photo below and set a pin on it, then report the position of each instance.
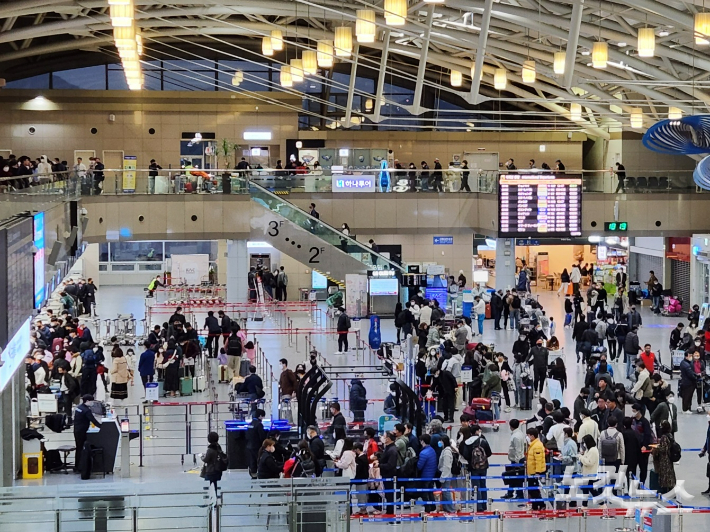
(649, 358)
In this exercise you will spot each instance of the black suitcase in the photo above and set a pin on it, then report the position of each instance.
(526, 398)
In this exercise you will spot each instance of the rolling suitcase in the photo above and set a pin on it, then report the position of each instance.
(186, 386)
(223, 374)
(285, 410)
(526, 397)
(198, 383)
(161, 388)
(244, 367)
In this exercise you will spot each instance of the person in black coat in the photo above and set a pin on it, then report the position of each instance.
(317, 448)
(388, 467)
(214, 331)
(497, 308)
(255, 437)
(521, 347)
(632, 447)
(83, 418)
(253, 386)
(268, 467)
(338, 421)
(358, 400)
(70, 393)
(688, 381)
(642, 428)
(445, 384)
(211, 470)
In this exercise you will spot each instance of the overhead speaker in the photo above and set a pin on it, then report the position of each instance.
(72, 237)
(54, 254)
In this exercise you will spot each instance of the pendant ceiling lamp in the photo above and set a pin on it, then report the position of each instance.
(600, 54)
(702, 29)
(325, 54)
(343, 41)
(636, 118)
(237, 78)
(558, 64)
(277, 40)
(286, 78)
(674, 113)
(529, 73)
(121, 15)
(500, 79)
(310, 62)
(456, 78)
(646, 42)
(365, 27)
(575, 111)
(395, 12)
(266, 48)
(297, 70)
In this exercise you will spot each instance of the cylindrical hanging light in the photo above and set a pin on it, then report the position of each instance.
(277, 40)
(119, 2)
(286, 78)
(500, 79)
(297, 70)
(674, 113)
(369, 104)
(600, 54)
(325, 54)
(395, 12)
(139, 43)
(121, 15)
(434, 1)
(646, 42)
(343, 41)
(575, 111)
(237, 78)
(310, 62)
(529, 71)
(456, 78)
(125, 37)
(636, 118)
(266, 48)
(365, 27)
(558, 64)
(702, 28)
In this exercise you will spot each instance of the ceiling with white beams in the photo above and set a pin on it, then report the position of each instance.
(469, 36)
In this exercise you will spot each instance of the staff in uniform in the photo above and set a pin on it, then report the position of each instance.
(83, 418)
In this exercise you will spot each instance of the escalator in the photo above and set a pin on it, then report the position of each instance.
(310, 241)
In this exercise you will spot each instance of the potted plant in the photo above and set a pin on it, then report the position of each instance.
(225, 151)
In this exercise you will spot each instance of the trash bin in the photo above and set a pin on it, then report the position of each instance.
(32, 465)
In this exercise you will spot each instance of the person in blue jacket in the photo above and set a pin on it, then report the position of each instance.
(254, 386)
(146, 364)
(427, 467)
(358, 399)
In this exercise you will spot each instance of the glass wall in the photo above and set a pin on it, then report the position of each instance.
(151, 256)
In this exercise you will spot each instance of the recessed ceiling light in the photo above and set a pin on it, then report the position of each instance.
(585, 52)
(664, 33)
(621, 45)
(589, 64)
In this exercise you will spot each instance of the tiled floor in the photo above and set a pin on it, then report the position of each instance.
(162, 453)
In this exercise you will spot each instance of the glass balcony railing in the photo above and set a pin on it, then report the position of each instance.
(391, 181)
(364, 254)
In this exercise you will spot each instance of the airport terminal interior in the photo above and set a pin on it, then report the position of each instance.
(321, 265)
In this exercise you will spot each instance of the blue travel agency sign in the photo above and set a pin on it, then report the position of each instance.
(443, 240)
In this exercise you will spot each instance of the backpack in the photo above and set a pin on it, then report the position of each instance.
(479, 460)
(308, 467)
(675, 451)
(222, 463)
(609, 447)
(289, 466)
(409, 468)
(399, 320)
(234, 344)
(456, 465)
(347, 322)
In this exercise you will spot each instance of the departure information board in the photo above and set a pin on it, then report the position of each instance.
(539, 205)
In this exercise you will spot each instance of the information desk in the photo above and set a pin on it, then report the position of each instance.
(237, 438)
(539, 205)
(106, 436)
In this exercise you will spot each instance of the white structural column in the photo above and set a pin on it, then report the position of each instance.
(381, 79)
(417, 103)
(237, 271)
(505, 263)
(351, 85)
(481, 52)
(572, 41)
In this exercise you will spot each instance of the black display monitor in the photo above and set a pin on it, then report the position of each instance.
(539, 205)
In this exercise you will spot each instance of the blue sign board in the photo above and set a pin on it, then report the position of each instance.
(443, 240)
(526, 242)
(39, 285)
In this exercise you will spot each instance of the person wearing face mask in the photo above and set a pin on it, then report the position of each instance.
(648, 358)
(535, 467)
(703, 452)
(537, 334)
(699, 370)
(688, 381)
(538, 360)
(644, 435)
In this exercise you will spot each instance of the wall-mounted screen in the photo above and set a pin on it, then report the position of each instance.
(540, 205)
(318, 281)
(384, 287)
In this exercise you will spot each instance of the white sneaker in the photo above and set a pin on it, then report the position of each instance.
(506, 409)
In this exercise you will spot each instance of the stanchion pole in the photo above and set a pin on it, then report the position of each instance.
(140, 442)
